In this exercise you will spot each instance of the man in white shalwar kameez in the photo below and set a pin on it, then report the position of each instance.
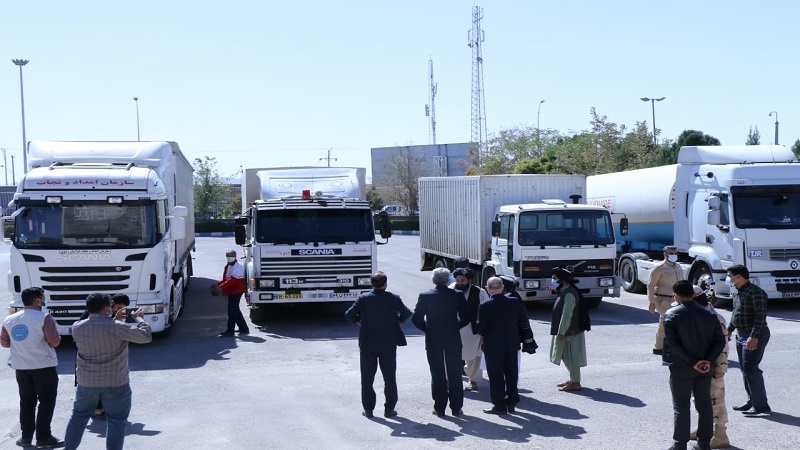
(470, 340)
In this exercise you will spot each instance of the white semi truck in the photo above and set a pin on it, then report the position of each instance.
(108, 217)
(522, 226)
(720, 206)
(308, 235)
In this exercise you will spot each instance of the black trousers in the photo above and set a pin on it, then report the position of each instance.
(387, 361)
(685, 382)
(503, 371)
(37, 386)
(235, 316)
(446, 384)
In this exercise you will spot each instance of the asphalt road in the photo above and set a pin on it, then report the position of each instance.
(294, 382)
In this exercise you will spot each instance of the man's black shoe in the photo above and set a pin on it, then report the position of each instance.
(438, 413)
(458, 412)
(511, 409)
(658, 351)
(367, 414)
(757, 410)
(49, 442)
(245, 331)
(389, 413)
(744, 407)
(25, 442)
(226, 334)
(495, 410)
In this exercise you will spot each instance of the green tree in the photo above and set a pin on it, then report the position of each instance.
(374, 199)
(796, 148)
(232, 209)
(208, 187)
(753, 137)
(668, 153)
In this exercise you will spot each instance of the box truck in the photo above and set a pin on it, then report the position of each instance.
(522, 226)
(308, 235)
(720, 205)
(108, 217)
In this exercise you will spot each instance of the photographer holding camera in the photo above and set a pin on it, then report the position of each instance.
(693, 339)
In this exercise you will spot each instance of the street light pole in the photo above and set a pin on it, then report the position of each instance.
(138, 137)
(776, 125)
(5, 165)
(538, 111)
(13, 177)
(653, 103)
(20, 63)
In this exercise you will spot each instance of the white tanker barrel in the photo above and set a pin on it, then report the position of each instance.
(645, 196)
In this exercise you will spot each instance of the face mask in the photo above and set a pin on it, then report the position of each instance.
(672, 258)
(554, 282)
(728, 281)
(231, 259)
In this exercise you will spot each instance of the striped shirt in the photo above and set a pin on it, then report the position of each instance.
(102, 342)
(749, 310)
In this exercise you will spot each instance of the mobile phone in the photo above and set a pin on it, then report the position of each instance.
(129, 311)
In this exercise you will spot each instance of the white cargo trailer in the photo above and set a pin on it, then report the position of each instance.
(519, 225)
(109, 217)
(720, 205)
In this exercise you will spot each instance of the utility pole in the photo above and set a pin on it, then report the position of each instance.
(5, 164)
(475, 37)
(329, 157)
(138, 136)
(653, 104)
(430, 111)
(776, 125)
(20, 63)
(13, 177)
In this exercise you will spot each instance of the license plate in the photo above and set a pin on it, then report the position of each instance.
(69, 331)
(283, 296)
(791, 294)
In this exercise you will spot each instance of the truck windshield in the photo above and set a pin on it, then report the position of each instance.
(86, 226)
(565, 228)
(289, 226)
(773, 207)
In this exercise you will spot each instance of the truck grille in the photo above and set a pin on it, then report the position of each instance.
(316, 265)
(75, 283)
(784, 254)
(590, 268)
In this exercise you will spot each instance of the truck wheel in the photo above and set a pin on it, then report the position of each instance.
(701, 276)
(258, 314)
(441, 263)
(627, 272)
(488, 273)
(187, 274)
(593, 302)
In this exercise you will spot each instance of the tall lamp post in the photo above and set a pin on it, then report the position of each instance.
(653, 103)
(138, 137)
(538, 112)
(776, 125)
(20, 63)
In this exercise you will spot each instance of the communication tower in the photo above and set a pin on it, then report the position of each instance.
(478, 140)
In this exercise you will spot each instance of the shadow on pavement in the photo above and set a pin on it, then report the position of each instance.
(600, 395)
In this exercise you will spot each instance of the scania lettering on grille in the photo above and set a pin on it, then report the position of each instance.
(84, 255)
(317, 251)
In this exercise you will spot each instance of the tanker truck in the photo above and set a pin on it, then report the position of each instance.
(109, 217)
(522, 226)
(719, 206)
(308, 236)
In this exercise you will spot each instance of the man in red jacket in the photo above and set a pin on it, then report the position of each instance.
(233, 286)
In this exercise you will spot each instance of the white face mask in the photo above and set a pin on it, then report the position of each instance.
(728, 281)
(672, 258)
(554, 282)
(231, 259)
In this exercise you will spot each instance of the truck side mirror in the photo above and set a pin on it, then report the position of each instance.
(623, 226)
(384, 225)
(239, 233)
(714, 217)
(495, 228)
(180, 211)
(8, 228)
(177, 228)
(240, 220)
(713, 203)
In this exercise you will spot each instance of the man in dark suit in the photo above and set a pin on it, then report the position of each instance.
(441, 312)
(380, 315)
(500, 320)
(693, 340)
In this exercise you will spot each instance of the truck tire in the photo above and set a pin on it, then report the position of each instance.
(187, 275)
(593, 302)
(441, 263)
(627, 274)
(488, 273)
(258, 314)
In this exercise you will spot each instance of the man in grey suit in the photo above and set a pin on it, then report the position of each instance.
(379, 314)
(441, 313)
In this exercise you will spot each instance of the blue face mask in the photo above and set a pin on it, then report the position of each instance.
(554, 282)
(672, 258)
(728, 281)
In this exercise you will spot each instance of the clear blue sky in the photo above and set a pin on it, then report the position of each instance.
(268, 83)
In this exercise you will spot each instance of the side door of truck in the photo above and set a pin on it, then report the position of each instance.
(504, 244)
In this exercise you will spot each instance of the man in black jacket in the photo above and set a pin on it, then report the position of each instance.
(693, 341)
(441, 312)
(500, 320)
(380, 315)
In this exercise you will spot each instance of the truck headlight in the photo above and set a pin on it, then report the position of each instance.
(266, 283)
(606, 282)
(151, 309)
(364, 282)
(531, 284)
